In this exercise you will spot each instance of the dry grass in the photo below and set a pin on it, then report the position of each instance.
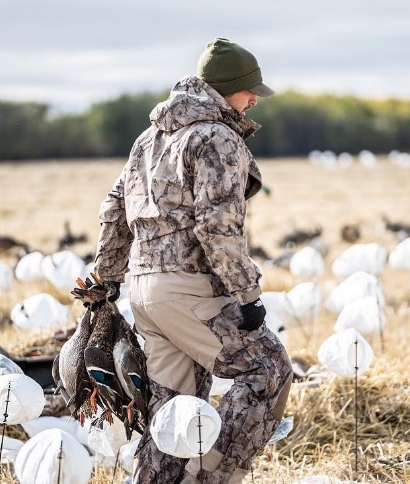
(39, 197)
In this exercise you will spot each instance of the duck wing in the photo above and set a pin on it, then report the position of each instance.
(130, 367)
(55, 372)
(69, 368)
(101, 371)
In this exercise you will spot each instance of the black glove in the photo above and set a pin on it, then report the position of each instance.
(253, 315)
(113, 290)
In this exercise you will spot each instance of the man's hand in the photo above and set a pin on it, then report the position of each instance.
(253, 315)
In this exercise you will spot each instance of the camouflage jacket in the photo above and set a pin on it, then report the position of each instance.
(180, 201)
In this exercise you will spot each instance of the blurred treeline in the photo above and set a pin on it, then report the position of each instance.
(293, 125)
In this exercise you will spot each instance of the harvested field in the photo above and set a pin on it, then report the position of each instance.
(345, 428)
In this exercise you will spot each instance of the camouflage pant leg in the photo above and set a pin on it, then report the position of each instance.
(152, 466)
(252, 409)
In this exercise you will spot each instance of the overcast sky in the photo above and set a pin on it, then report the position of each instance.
(71, 53)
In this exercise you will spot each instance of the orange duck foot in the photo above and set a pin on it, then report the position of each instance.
(130, 410)
(93, 401)
(108, 416)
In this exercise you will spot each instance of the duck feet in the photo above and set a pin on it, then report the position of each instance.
(81, 417)
(93, 400)
(108, 416)
(130, 410)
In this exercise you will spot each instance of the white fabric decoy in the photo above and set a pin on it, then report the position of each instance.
(320, 244)
(53, 456)
(356, 286)
(365, 315)
(277, 313)
(25, 399)
(328, 159)
(283, 430)
(62, 269)
(11, 448)
(304, 303)
(8, 366)
(40, 312)
(399, 257)
(346, 353)
(314, 156)
(307, 263)
(367, 158)
(370, 258)
(345, 159)
(105, 438)
(175, 430)
(126, 455)
(277, 308)
(46, 422)
(6, 277)
(28, 268)
(399, 159)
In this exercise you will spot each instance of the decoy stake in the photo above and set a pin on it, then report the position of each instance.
(5, 419)
(356, 410)
(200, 447)
(60, 457)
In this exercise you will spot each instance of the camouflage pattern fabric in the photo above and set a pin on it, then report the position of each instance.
(250, 412)
(180, 201)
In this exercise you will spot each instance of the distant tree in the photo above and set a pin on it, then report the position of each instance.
(119, 122)
(22, 130)
(293, 124)
(71, 137)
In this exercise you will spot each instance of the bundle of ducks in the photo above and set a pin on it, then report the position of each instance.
(102, 364)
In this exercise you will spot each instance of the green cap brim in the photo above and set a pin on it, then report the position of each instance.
(262, 90)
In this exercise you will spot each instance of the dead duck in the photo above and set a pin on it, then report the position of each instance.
(115, 362)
(55, 372)
(130, 367)
(69, 371)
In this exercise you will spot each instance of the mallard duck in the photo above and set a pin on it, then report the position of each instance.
(100, 367)
(114, 361)
(130, 366)
(69, 371)
(55, 372)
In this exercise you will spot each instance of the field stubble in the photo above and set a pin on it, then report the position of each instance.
(38, 197)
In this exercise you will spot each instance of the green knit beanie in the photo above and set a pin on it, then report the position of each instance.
(230, 68)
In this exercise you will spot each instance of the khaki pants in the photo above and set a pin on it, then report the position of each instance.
(189, 334)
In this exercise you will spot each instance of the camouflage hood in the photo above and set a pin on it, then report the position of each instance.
(192, 100)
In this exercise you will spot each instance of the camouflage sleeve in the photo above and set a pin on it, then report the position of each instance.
(115, 237)
(221, 173)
